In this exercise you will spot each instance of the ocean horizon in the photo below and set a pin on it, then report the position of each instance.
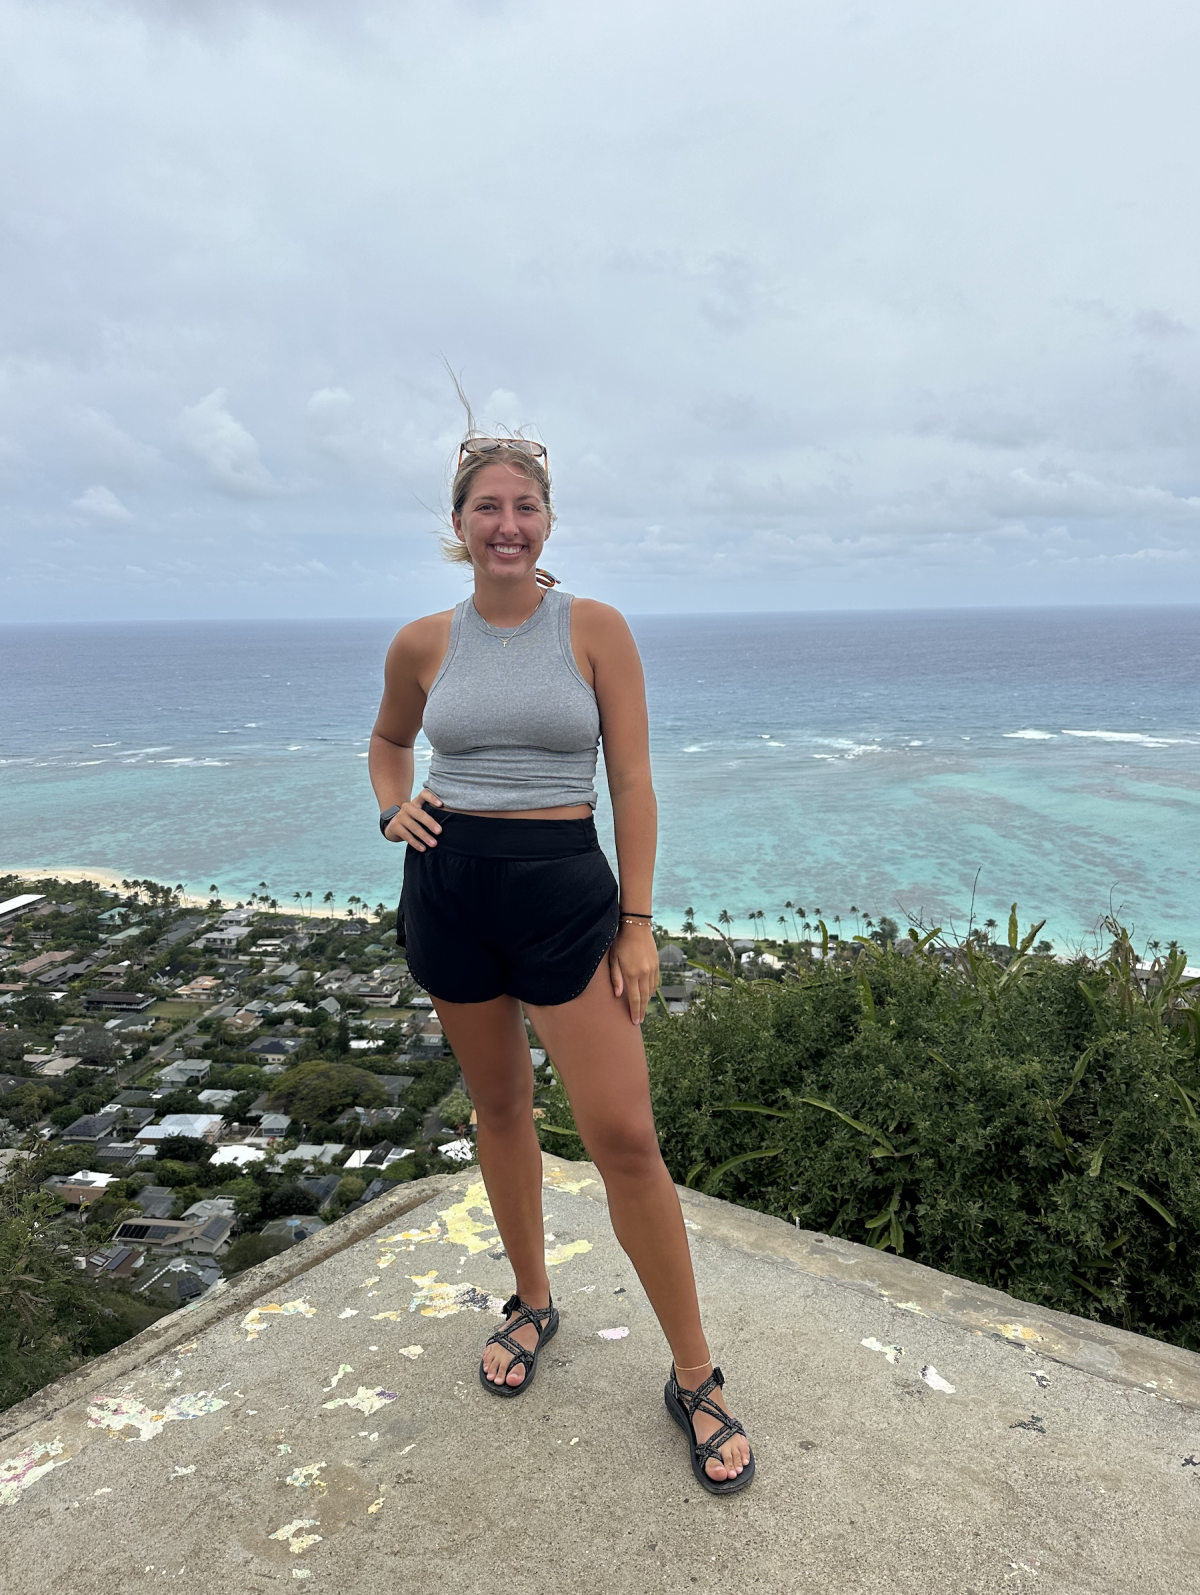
(896, 762)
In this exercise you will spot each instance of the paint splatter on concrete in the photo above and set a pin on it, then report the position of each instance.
(411, 1352)
(469, 1234)
(558, 1181)
(366, 1401)
(439, 1299)
(375, 1317)
(283, 1450)
(563, 1252)
(343, 1370)
(374, 1507)
(1040, 1378)
(889, 1351)
(308, 1478)
(296, 1541)
(1017, 1332)
(27, 1467)
(253, 1323)
(408, 1238)
(613, 1334)
(117, 1413)
(183, 1473)
(374, 1280)
(935, 1381)
(348, 1312)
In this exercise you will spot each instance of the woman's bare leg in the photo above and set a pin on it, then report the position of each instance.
(490, 1044)
(600, 1056)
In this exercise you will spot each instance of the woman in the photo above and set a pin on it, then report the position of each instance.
(509, 903)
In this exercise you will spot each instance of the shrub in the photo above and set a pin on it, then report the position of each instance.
(1033, 1129)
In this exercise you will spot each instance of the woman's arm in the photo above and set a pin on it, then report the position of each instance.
(616, 670)
(411, 665)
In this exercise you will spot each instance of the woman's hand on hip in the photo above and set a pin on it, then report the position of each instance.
(633, 965)
(413, 825)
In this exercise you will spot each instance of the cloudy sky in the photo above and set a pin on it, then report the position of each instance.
(816, 303)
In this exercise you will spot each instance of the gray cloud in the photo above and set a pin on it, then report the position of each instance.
(813, 306)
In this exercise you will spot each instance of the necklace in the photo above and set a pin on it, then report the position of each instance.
(505, 634)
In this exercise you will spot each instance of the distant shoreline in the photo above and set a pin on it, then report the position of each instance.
(112, 879)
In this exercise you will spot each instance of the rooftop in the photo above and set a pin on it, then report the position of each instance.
(320, 1416)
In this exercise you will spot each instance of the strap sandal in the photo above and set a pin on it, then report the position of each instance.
(543, 1319)
(683, 1406)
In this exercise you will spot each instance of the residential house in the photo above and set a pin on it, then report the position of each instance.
(308, 1152)
(44, 961)
(117, 1001)
(219, 1100)
(182, 1279)
(243, 1023)
(274, 1049)
(274, 1125)
(89, 1129)
(156, 1201)
(188, 1071)
(237, 1155)
(320, 1186)
(77, 1189)
(298, 1227)
(223, 940)
(199, 1126)
(12, 908)
(331, 1006)
(672, 957)
(112, 1262)
(395, 1085)
(177, 1234)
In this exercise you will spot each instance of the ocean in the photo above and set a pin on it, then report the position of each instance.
(869, 763)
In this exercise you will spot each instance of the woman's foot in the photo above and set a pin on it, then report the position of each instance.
(502, 1367)
(734, 1453)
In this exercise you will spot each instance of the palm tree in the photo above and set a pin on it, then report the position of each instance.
(328, 898)
(308, 901)
(689, 921)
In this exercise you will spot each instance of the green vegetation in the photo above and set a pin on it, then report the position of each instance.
(317, 1091)
(1025, 1123)
(51, 1317)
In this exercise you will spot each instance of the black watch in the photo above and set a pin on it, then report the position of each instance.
(386, 818)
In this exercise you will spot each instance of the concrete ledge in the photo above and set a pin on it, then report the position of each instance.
(915, 1435)
(226, 1297)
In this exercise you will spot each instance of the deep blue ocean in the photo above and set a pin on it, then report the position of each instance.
(880, 760)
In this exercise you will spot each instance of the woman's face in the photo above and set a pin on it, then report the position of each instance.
(503, 522)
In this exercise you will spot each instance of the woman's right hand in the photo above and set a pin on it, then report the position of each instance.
(413, 825)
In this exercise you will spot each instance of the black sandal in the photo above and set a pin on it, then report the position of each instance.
(543, 1319)
(683, 1406)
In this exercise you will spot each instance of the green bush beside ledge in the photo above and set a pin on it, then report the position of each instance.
(1024, 1123)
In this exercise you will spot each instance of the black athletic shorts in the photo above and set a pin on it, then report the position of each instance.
(523, 908)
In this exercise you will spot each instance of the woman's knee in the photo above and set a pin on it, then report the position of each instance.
(624, 1149)
(501, 1111)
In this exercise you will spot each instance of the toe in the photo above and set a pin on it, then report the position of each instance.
(516, 1374)
(715, 1469)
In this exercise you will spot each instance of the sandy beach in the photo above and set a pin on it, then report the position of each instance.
(113, 878)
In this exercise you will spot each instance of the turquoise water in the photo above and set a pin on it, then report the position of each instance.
(877, 760)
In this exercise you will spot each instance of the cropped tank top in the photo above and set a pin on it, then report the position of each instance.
(512, 723)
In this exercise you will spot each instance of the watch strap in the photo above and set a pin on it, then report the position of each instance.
(386, 818)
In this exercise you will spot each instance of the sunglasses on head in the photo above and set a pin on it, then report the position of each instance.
(535, 451)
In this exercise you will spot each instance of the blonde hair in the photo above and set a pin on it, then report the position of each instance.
(535, 470)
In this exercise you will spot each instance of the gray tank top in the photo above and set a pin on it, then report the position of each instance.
(512, 723)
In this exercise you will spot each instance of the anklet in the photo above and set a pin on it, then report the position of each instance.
(695, 1366)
